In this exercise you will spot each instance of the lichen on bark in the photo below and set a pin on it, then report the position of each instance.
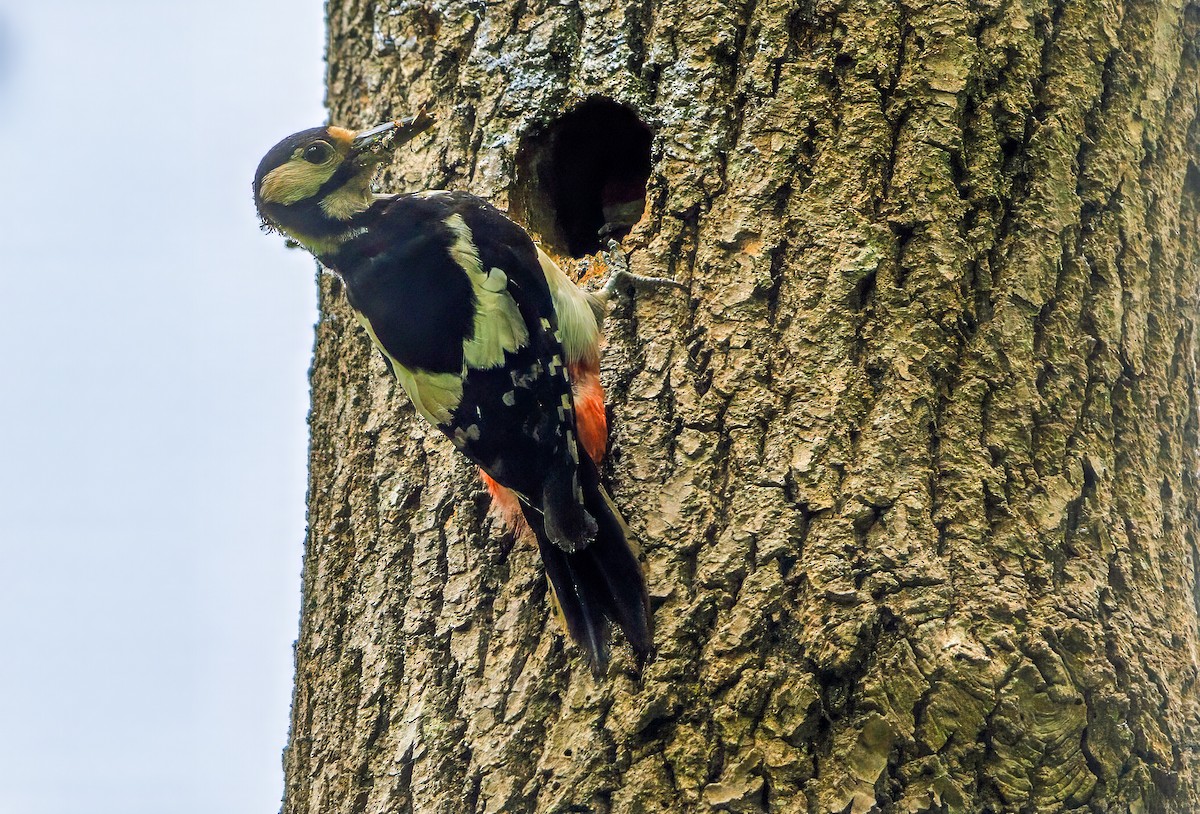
(913, 461)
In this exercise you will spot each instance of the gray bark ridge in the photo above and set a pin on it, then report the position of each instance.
(913, 464)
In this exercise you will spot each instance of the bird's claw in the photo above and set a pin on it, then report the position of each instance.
(619, 273)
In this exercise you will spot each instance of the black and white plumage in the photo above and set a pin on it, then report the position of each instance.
(488, 338)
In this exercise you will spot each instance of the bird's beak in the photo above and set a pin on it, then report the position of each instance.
(405, 130)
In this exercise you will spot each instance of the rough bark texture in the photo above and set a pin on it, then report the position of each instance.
(913, 461)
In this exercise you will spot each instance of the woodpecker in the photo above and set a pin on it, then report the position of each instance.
(495, 346)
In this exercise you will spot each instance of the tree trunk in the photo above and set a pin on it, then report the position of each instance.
(912, 461)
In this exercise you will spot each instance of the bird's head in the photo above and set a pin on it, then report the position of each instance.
(311, 183)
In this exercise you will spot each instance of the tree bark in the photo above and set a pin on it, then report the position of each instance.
(912, 462)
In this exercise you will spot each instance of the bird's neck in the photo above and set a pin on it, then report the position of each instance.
(323, 227)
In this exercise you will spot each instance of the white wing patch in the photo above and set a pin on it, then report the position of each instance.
(435, 395)
(578, 312)
(498, 324)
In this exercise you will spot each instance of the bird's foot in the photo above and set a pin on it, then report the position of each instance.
(619, 274)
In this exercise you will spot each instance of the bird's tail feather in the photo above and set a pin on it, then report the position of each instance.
(600, 582)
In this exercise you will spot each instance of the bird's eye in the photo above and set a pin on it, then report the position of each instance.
(318, 153)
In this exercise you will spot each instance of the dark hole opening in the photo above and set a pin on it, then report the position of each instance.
(583, 179)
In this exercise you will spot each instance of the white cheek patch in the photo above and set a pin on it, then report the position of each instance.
(294, 181)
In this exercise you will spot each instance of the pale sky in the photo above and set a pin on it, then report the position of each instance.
(152, 406)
